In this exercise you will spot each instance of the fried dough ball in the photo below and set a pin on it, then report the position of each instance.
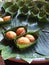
(30, 37)
(6, 18)
(23, 40)
(20, 31)
(10, 35)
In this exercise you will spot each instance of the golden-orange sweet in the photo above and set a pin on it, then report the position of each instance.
(10, 35)
(23, 40)
(6, 18)
(20, 31)
(30, 37)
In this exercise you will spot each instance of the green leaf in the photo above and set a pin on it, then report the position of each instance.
(7, 4)
(2, 47)
(20, 3)
(47, 8)
(7, 53)
(12, 9)
(23, 10)
(1, 3)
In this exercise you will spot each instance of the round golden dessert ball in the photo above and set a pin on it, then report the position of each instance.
(10, 35)
(6, 18)
(30, 37)
(1, 20)
(20, 31)
(23, 40)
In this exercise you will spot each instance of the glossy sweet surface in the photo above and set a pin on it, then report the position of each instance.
(10, 35)
(30, 37)
(23, 40)
(6, 18)
(20, 31)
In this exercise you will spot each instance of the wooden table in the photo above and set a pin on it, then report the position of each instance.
(1, 61)
(33, 62)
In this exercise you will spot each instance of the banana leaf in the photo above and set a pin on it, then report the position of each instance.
(23, 10)
(1, 3)
(40, 3)
(32, 17)
(27, 1)
(30, 4)
(7, 4)
(34, 13)
(12, 9)
(7, 54)
(20, 3)
(42, 17)
(5, 22)
(46, 7)
(35, 10)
